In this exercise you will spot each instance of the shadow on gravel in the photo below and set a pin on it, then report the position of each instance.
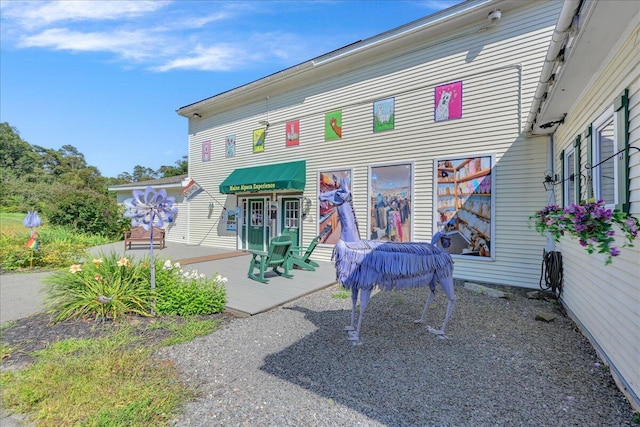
(498, 367)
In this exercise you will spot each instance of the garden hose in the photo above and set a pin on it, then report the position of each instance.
(551, 272)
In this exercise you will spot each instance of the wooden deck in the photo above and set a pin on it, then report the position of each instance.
(245, 297)
(248, 297)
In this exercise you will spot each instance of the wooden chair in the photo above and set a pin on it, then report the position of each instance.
(276, 256)
(303, 261)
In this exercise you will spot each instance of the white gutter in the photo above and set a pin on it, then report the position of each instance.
(558, 39)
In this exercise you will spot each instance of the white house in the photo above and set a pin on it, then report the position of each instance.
(589, 92)
(174, 186)
(448, 122)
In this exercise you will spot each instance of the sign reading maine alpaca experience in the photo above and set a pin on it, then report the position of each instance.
(328, 221)
(448, 102)
(390, 190)
(465, 200)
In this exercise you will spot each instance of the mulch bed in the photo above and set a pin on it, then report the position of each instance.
(37, 332)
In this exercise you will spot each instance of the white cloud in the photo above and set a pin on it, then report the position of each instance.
(214, 58)
(135, 45)
(40, 14)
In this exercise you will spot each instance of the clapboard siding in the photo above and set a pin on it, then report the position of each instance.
(499, 69)
(605, 300)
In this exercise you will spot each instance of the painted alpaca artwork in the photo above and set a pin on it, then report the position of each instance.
(363, 265)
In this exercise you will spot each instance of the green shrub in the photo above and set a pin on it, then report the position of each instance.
(185, 293)
(107, 287)
(110, 287)
(86, 211)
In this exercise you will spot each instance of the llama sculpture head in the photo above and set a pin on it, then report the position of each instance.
(341, 199)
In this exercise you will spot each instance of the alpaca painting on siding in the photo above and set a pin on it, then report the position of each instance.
(448, 102)
(384, 116)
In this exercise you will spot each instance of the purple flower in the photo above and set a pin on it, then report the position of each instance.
(615, 251)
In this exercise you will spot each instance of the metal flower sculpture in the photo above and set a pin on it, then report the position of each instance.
(32, 220)
(150, 208)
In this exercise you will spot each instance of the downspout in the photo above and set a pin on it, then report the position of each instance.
(558, 39)
(551, 197)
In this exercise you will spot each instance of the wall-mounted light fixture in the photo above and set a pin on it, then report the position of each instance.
(306, 206)
(551, 181)
(548, 182)
(265, 123)
(197, 116)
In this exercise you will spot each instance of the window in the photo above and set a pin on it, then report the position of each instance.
(291, 209)
(609, 155)
(605, 170)
(570, 181)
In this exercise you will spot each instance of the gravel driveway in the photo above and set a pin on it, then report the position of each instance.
(293, 366)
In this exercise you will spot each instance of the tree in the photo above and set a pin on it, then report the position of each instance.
(181, 168)
(140, 173)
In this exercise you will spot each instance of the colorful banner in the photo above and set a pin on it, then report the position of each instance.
(191, 189)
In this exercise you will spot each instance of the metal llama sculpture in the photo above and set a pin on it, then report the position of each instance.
(361, 265)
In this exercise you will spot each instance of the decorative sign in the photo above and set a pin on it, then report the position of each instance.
(293, 133)
(448, 102)
(206, 151)
(258, 140)
(384, 116)
(232, 219)
(333, 125)
(191, 189)
(230, 145)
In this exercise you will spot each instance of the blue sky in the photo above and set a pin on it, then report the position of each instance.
(108, 76)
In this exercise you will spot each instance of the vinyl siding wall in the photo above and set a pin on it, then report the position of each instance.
(499, 69)
(605, 300)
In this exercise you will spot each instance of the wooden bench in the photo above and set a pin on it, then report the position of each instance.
(140, 236)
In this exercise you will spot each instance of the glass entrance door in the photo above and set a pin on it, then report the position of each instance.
(291, 219)
(256, 224)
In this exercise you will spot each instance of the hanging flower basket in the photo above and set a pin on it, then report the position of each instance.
(592, 223)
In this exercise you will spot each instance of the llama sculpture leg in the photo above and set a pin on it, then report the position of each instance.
(447, 286)
(354, 331)
(354, 305)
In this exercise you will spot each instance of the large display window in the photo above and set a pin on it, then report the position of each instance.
(465, 202)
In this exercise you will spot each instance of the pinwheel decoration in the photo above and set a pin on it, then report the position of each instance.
(150, 208)
(32, 220)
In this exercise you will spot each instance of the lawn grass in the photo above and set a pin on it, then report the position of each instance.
(114, 380)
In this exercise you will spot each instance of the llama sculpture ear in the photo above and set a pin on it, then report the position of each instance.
(344, 184)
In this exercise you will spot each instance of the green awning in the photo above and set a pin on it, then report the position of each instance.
(281, 176)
